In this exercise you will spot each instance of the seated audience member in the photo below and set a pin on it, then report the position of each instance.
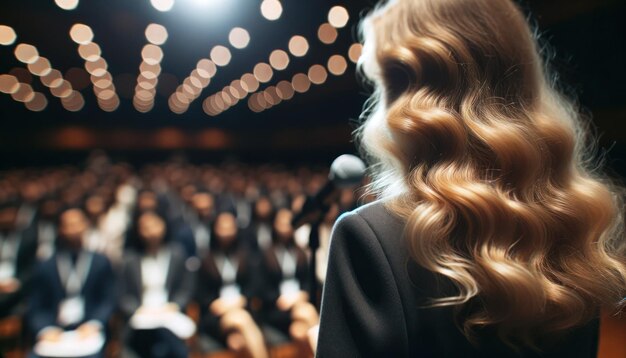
(155, 286)
(46, 229)
(258, 236)
(195, 234)
(18, 249)
(285, 283)
(73, 290)
(225, 288)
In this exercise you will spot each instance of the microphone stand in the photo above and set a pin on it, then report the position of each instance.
(314, 244)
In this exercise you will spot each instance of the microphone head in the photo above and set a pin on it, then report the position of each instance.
(347, 170)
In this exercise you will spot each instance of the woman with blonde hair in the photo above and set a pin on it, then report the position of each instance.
(495, 235)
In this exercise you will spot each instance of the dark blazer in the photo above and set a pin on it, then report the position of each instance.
(24, 267)
(179, 281)
(47, 293)
(373, 294)
(210, 284)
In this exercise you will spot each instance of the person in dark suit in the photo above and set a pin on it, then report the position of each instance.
(18, 249)
(74, 289)
(258, 235)
(154, 279)
(226, 290)
(286, 283)
(492, 236)
(194, 234)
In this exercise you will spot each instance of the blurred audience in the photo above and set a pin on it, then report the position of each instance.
(174, 236)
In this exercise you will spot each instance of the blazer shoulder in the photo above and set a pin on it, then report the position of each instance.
(373, 218)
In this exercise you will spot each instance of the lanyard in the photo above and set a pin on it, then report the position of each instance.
(227, 267)
(8, 248)
(287, 260)
(73, 277)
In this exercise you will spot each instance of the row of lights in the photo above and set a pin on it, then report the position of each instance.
(206, 68)
(300, 83)
(23, 92)
(150, 68)
(298, 46)
(96, 66)
(39, 66)
(221, 56)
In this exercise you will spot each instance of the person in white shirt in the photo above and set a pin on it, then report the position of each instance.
(155, 284)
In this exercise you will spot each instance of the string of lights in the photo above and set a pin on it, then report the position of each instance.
(150, 68)
(298, 46)
(96, 66)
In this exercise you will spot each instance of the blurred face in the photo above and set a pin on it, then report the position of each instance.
(226, 229)
(49, 209)
(7, 218)
(147, 201)
(203, 204)
(263, 208)
(282, 225)
(95, 206)
(151, 229)
(72, 227)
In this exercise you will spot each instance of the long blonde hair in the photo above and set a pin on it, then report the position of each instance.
(490, 165)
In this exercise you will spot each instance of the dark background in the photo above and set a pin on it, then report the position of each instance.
(588, 38)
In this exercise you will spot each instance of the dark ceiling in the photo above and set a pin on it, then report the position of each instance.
(588, 38)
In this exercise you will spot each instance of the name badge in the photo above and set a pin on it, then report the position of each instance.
(71, 311)
(230, 292)
(155, 297)
(7, 270)
(289, 287)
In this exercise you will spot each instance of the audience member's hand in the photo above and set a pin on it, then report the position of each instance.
(10, 285)
(88, 329)
(51, 335)
(220, 306)
(286, 301)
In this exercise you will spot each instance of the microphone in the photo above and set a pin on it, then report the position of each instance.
(345, 171)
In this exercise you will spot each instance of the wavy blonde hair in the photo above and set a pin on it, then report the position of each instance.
(490, 165)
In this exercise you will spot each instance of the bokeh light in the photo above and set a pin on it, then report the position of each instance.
(239, 38)
(7, 35)
(81, 34)
(354, 53)
(279, 59)
(271, 9)
(162, 5)
(337, 65)
(263, 72)
(318, 74)
(300, 83)
(220, 55)
(338, 16)
(327, 34)
(26, 53)
(67, 4)
(156, 34)
(298, 46)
